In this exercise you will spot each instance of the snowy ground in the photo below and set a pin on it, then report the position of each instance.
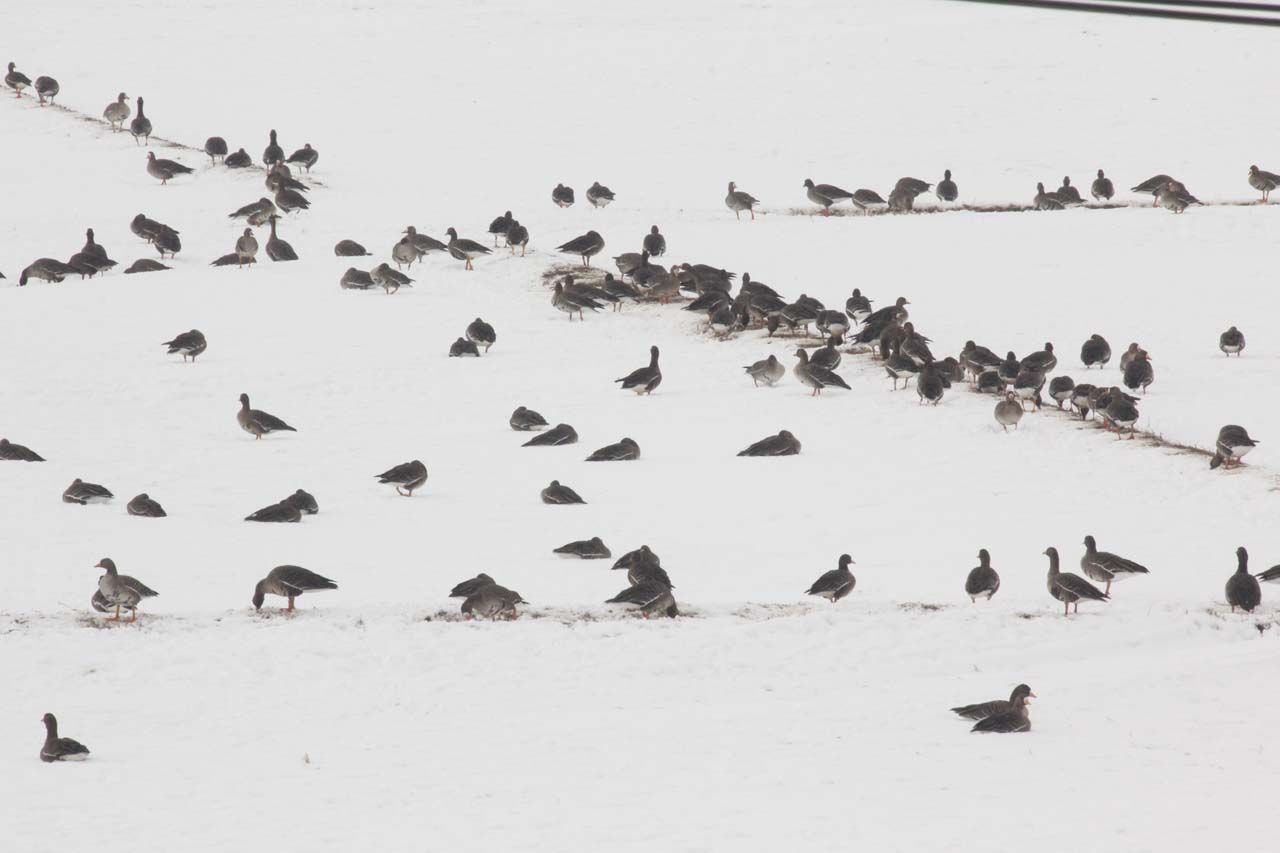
(764, 720)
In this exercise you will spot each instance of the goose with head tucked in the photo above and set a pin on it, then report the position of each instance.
(768, 370)
(1231, 342)
(526, 420)
(559, 494)
(306, 157)
(10, 452)
(586, 549)
(406, 477)
(782, 444)
(650, 598)
(599, 195)
(1232, 445)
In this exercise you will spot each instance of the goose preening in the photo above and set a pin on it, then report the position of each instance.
(284, 512)
(16, 80)
(624, 450)
(1095, 351)
(306, 157)
(1069, 588)
(559, 494)
(654, 243)
(167, 242)
(256, 212)
(1102, 189)
(585, 246)
(517, 235)
(238, 160)
(649, 598)
(215, 147)
(835, 584)
(825, 195)
(388, 279)
(424, 243)
(982, 579)
(289, 582)
(526, 420)
(554, 437)
(47, 89)
(10, 452)
(481, 333)
(279, 176)
(350, 249)
(164, 170)
(562, 196)
(465, 250)
(463, 347)
(117, 113)
(83, 494)
(768, 370)
(1263, 182)
(117, 590)
(147, 229)
(983, 710)
(258, 423)
(1242, 588)
(643, 380)
(814, 376)
(143, 506)
(273, 153)
(1231, 447)
(599, 195)
(738, 201)
(587, 549)
(946, 189)
(406, 477)
(1105, 567)
(782, 444)
(141, 125)
(1173, 196)
(1015, 719)
(1231, 341)
(59, 748)
(491, 600)
(304, 502)
(500, 226)
(278, 249)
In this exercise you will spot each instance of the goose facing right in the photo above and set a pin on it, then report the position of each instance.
(836, 583)
(782, 444)
(259, 423)
(587, 549)
(289, 582)
(649, 598)
(982, 710)
(625, 450)
(1011, 721)
(558, 494)
(59, 748)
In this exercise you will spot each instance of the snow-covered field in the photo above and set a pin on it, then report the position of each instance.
(766, 719)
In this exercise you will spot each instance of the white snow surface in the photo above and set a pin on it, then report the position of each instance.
(765, 720)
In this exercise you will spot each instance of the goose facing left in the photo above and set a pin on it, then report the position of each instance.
(82, 493)
(257, 422)
(59, 748)
(16, 80)
(190, 344)
(119, 590)
(289, 582)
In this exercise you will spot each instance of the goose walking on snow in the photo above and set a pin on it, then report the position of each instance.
(16, 80)
(289, 582)
(1105, 567)
(117, 113)
(825, 195)
(1231, 341)
(465, 250)
(1069, 588)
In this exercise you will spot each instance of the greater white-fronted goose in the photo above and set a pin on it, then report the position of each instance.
(1096, 350)
(643, 380)
(492, 601)
(82, 493)
(815, 377)
(1046, 200)
(738, 201)
(278, 177)
(654, 243)
(464, 249)
(289, 199)
(825, 195)
(233, 259)
(215, 147)
(643, 555)
(588, 549)
(1231, 341)
(463, 347)
(246, 248)
(354, 279)
(1232, 445)
(500, 226)
(1128, 355)
(406, 477)
(835, 584)
(190, 343)
(930, 385)
(255, 210)
(625, 450)
(273, 153)
(1027, 386)
(117, 113)
(1068, 194)
(585, 246)
(350, 249)
(119, 590)
(283, 512)
(1242, 588)
(1069, 588)
(865, 199)
(1105, 567)
(1102, 189)
(947, 189)
(258, 423)
(554, 437)
(238, 160)
(569, 304)
(1014, 720)
(59, 748)
(164, 170)
(782, 444)
(305, 502)
(147, 229)
(562, 196)
(289, 582)
(649, 598)
(306, 157)
(1061, 390)
(982, 710)
(1263, 182)
(768, 370)
(599, 195)
(1119, 411)
(388, 279)
(278, 249)
(1153, 185)
(167, 242)
(558, 494)
(45, 269)
(526, 420)
(982, 580)
(468, 588)
(1173, 196)
(47, 89)
(16, 80)
(1043, 360)
(142, 505)
(481, 333)
(10, 452)
(1008, 411)
(1139, 373)
(517, 235)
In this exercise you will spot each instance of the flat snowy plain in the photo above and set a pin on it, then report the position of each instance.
(766, 720)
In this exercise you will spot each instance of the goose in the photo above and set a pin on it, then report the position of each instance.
(304, 502)
(738, 201)
(119, 590)
(648, 598)
(350, 249)
(500, 226)
(273, 153)
(1153, 185)
(1008, 411)
(1068, 194)
(584, 246)
(82, 493)
(628, 262)
(277, 249)
(929, 385)
(258, 423)
(289, 582)
(1121, 413)
(492, 601)
(1105, 567)
(654, 243)
(1173, 197)
(246, 247)
(1231, 341)
(283, 512)
(915, 186)
(1102, 188)
(988, 382)
(827, 356)
(1043, 360)
(1046, 201)
(1271, 575)
(1262, 181)
(915, 346)
(16, 80)
(306, 157)
(465, 250)
(902, 200)
(643, 380)
(642, 556)
(147, 229)
(982, 710)
(857, 306)
(598, 195)
(406, 477)
(865, 200)
(977, 359)
(232, 259)
(482, 333)
(982, 580)
(388, 279)
(59, 748)
(165, 170)
(517, 235)
(832, 323)
(1139, 373)
(10, 452)
(769, 371)
(263, 207)
(587, 549)
(238, 160)
(947, 189)
(289, 200)
(571, 304)
(277, 178)
(1062, 389)
(469, 587)
(47, 89)
(186, 344)
(562, 196)
(354, 279)
(526, 420)
(168, 242)
(140, 126)
(462, 347)
(1096, 350)
(1242, 588)
(1011, 721)
(825, 195)
(1128, 355)
(835, 584)
(423, 242)
(817, 378)
(556, 436)
(558, 494)
(625, 450)
(142, 505)
(215, 147)
(782, 444)
(1069, 588)
(1232, 445)
(1027, 387)
(117, 113)
(900, 366)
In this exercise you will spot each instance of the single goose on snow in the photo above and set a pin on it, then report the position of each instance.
(238, 160)
(305, 502)
(82, 493)
(273, 153)
(654, 243)
(47, 89)
(59, 748)
(1102, 188)
(982, 580)
(947, 189)
(142, 505)
(526, 420)
(465, 250)
(388, 279)
(10, 452)
(558, 494)
(1096, 350)
(165, 170)
(835, 584)
(768, 370)
(481, 333)
(643, 380)
(1232, 445)
(350, 249)
(117, 113)
(1231, 341)
(982, 710)
(289, 582)
(1262, 181)
(649, 598)
(562, 196)
(283, 512)
(277, 249)
(306, 157)
(1011, 721)
(1008, 411)
(599, 196)
(354, 279)
(738, 201)
(140, 126)
(500, 226)
(587, 549)
(1242, 588)
(246, 247)
(825, 195)
(555, 437)
(817, 378)
(121, 590)
(406, 477)
(1069, 588)
(258, 423)
(215, 147)
(625, 450)
(463, 347)
(1105, 567)
(782, 444)
(585, 246)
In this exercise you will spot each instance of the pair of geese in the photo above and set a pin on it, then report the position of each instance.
(46, 88)
(597, 194)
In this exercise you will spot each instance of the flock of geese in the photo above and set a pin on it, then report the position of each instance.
(886, 334)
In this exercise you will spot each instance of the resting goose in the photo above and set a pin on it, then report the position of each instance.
(1231, 341)
(238, 160)
(835, 584)
(388, 279)
(463, 347)
(215, 147)
(481, 333)
(1173, 196)
(350, 249)
(279, 177)
(465, 250)
(1061, 390)
(947, 189)
(558, 494)
(258, 423)
(1121, 412)
(500, 226)
(649, 598)
(1011, 721)
(10, 452)
(1102, 188)
(1242, 588)
(119, 590)
(982, 580)
(1046, 201)
(1139, 373)
(283, 512)
(1069, 588)
(117, 113)
(1096, 350)
(167, 242)
(306, 157)
(273, 153)
(493, 601)
(147, 229)
(1105, 567)
(769, 371)
(815, 377)
(59, 748)
(246, 248)
(558, 435)
(1232, 445)
(599, 195)
(231, 259)
(289, 200)
(82, 493)
(983, 710)
(1152, 185)
(588, 549)
(782, 444)
(562, 196)
(643, 380)
(517, 235)
(865, 199)
(930, 385)
(261, 208)
(289, 582)
(140, 126)
(526, 420)
(354, 279)
(584, 246)
(643, 555)
(164, 170)
(143, 506)
(625, 450)
(406, 477)
(827, 356)
(1068, 194)
(738, 201)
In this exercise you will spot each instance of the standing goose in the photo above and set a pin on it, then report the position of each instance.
(469, 587)
(654, 243)
(1231, 341)
(350, 249)
(1242, 588)
(1043, 361)
(82, 493)
(1152, 185)
(45, 269)
(526, 420)
(1129, 355)
(273, 153)
(1103, 566)
(947, 189)
(857, 306)
(588, 549)
(930, 385)
(289, 199)
(59, 748)
(142, 505)
(982, 710)
(1139, 373)
(1102, 188)
(258, 423)
(168, 242)
(1069, 588)
(517, 235)
(649, 598)
(493, 601)
(465, 250)
(1263, 182)
(1062, 389)
(768, 370)
(815, 377)
(406, 477)
(598, 195)
(835, 584)
(1232, 445)
(140, 126)
(289, 582)
(462, 347)
(238, 160)
(1096, 350)
(782, 444)
(585, 246)
(557, 494)
(92, 247)
(643, 380)
(562, 196)
(1008, 411)
(982, 580)
(164, 170)
(500, 226)
(738, 201)
(215, 147)
(1011, 721)
(306, 157)
(117, 113)
(559, 435)
(262, 209)
(1046, 201)
(278, 177)
(825, 195)
(277, 249)
(827, 356)
(16, 80)
(246, 247)
(480, 332)
(10, 452)
(625, 450)
(147, 229)
(865, 199)
(1173, 196)
(1121, 412)
(121, 590)
(388, 279)
(47, 89)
